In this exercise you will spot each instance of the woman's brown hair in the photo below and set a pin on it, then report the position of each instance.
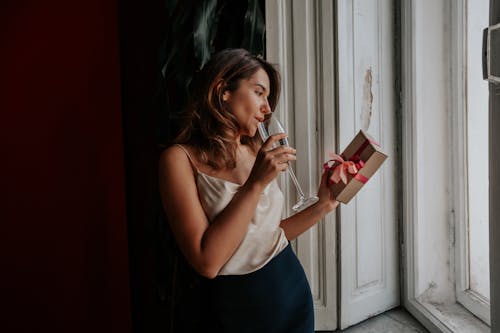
(208, 124)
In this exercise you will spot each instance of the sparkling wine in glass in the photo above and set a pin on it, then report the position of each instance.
(273, 126)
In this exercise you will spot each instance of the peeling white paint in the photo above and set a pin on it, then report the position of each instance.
(367, 105)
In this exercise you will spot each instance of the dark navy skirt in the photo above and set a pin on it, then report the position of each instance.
(274, 299)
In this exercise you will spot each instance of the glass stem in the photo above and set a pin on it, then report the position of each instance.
(295, 181)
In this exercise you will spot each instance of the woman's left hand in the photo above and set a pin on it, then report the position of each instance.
(324, 194)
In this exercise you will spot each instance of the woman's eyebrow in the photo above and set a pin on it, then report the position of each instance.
(261, 85)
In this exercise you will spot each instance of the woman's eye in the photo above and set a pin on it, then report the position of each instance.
(259, 93)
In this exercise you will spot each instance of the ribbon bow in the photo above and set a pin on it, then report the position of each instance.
(341, 168)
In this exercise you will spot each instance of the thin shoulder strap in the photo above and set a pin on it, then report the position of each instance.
(193, 165)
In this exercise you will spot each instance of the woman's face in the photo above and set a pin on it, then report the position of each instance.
(249, 102)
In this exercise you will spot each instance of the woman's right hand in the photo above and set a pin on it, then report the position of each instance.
(271, 161)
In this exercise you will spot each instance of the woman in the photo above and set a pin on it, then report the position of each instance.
(220, 194)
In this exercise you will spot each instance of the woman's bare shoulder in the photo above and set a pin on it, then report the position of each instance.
(175, 152)
(175, 157)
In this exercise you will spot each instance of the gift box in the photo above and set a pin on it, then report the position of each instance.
(351, 170)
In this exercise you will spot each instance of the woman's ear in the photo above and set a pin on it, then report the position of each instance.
(221, 91)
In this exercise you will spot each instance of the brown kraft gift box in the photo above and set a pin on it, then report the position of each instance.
(360, 160)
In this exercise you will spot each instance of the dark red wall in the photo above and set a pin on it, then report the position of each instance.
(63, 243)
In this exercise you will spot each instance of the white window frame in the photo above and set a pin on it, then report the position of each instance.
(474, 302)
(441, 312)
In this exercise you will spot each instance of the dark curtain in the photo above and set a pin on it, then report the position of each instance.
(63, 244)
(163, 43)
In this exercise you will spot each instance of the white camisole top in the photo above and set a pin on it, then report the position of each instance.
(264, 239)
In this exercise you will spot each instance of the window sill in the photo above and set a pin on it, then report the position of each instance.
(445, 318)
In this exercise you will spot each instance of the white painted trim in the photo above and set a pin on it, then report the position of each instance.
(304, 122)
(326, 315)
(278, 52)
(409, 124)
(459, 175)
(476, 304)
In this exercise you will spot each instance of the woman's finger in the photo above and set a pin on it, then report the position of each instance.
(282, 150)
(268, 145)
(324, 177)
(286, 157)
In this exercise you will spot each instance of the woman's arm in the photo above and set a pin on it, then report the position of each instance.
(208, 246)
(298, 223)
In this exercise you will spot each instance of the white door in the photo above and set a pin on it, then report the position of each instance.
(337, 63)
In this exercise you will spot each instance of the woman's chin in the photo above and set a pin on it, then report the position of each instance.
(250, 132)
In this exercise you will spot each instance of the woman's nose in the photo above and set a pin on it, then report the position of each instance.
(266, 108)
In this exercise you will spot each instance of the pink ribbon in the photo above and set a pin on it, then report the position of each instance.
(341, 168)
(361, 178)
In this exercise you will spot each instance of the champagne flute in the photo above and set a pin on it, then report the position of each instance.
(273, 126)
